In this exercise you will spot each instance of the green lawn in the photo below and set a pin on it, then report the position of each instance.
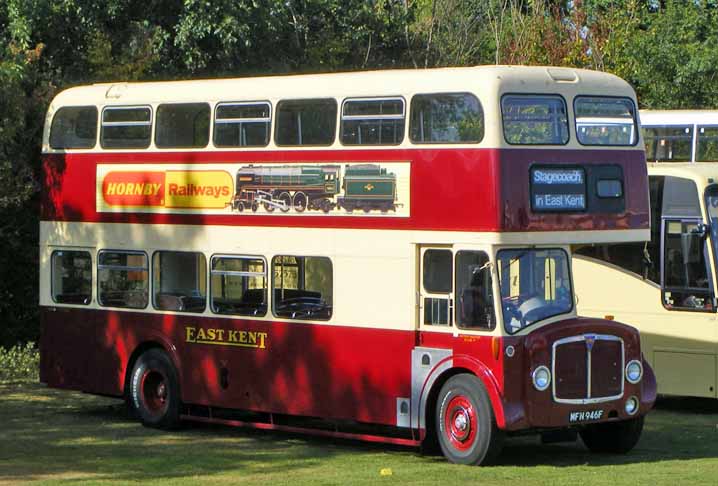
(55, 437)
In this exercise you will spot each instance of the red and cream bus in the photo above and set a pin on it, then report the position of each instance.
(378, 255)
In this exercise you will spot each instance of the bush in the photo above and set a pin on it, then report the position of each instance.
(20, 363)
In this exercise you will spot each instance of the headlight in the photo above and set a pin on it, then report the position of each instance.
(634, 371)
(541, 378)
(631, 406)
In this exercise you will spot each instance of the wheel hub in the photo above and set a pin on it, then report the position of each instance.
(461, 423)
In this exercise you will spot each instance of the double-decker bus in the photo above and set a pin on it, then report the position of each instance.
(666, 286)
(377, 255)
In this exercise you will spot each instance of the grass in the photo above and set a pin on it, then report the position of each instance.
(57, 437)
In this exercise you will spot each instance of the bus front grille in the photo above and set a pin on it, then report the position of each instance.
(588, 369)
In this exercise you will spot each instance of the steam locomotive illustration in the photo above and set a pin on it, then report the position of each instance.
(364, 187)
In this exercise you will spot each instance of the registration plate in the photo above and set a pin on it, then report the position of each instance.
(585, 416)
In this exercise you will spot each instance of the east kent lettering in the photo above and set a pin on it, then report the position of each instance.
(226, 337)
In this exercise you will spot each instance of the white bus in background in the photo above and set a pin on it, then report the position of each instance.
(680, 135)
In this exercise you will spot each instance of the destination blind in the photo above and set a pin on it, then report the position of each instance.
(558, 189)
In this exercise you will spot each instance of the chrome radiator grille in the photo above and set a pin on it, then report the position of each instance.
(588, 368)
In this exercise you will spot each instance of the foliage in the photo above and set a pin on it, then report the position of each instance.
(666, 49)
(19, 363)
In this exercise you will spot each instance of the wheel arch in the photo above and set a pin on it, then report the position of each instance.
(141, 349)
(463, 364)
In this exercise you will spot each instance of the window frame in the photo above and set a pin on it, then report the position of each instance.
(240, 121)
(241, 274)
(275, 138)
(149, 123)
(152, 281)
(690, 139)
(184, 147)
(634, 117)
(343, 117)
(52, 276)
(52, 126)
(273, 302)
(698, 140)
(710, 291)
(457, 300)
(540, 95)
(460, 142)
(116, 267)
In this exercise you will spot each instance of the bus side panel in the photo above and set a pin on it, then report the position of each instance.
(328, 371)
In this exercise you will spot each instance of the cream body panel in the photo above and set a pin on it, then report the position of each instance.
(680, 345)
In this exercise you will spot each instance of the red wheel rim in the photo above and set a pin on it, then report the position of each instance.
(460, 424)
(154, 392)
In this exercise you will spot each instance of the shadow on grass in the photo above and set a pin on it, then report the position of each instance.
(74, 437)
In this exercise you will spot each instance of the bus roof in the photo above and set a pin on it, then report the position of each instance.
(702, 173)
(505, 79)
(678, 117)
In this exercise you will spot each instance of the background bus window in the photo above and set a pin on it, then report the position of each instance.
(605, 121)
(446, 118)
(534, 120)
(238, 286)
(74, 127)
(668, 143)
(372, 122)
(125, 127)
(303, 287)
(179, 281)
(71, 277)
(474, 292)
(306, 122)
(182, 125)
(437, 279)
(122, 279)
(707, 145)
(242, 124)
(685, 272)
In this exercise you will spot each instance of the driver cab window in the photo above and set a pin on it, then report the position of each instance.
(474, 292)
(302, 287)
(685, 271)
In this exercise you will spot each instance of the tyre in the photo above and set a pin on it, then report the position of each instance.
(299, 202)
(613, 437)
(465, 424)
(154, 390)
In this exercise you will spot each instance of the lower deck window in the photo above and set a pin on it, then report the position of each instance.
(122, 279)
(303, 287)
(238, 286)
(179, 281)
(71, 277)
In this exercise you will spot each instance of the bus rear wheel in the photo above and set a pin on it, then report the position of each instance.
(465, 424)
(613, 437)
(154, 390)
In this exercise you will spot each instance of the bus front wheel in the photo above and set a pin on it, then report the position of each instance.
(465, 425)
(613, 437)
(154, 390)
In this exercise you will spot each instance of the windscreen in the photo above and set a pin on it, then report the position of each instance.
(535, 285)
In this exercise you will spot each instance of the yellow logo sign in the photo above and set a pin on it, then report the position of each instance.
(369, 187)
(226, 337)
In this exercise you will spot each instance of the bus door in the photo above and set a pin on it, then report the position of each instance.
(684, 346)
(455, 289)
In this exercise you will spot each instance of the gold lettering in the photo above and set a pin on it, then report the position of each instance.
(232, 338)
(243, 337)
(252, 337)
(262, 337)
(220, 334)
(201, 336)
(190, 334)
(210, 334)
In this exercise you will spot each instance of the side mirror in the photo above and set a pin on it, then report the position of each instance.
(701, 230)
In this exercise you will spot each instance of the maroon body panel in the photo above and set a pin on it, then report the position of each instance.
(451, 189)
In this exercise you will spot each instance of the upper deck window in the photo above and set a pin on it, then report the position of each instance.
(242, 124)
(534, 119)
(182, 125)
(373, 121)
(126, 127)
(668, 143)
(707, 147)
(306, 122)
(605, 121)
(74, 127)
(446, 118)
